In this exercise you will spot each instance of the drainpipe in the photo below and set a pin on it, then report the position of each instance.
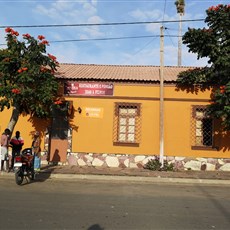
(162, 96)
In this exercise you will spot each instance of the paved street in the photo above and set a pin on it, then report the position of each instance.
(97, 205)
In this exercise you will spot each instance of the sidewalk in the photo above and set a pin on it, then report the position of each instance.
(136, 174)
(130, 174)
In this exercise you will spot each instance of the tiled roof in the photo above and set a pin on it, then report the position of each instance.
(117, 72)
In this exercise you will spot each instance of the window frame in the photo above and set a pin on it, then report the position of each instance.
(194, 119)
(137, 125)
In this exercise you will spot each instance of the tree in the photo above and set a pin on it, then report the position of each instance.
(27, 81)
(180, 4)
(214, 43)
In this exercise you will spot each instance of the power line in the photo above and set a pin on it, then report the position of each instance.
(107, 39)
(104, 39)
(101, 24)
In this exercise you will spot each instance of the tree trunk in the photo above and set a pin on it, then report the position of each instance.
(14, 119)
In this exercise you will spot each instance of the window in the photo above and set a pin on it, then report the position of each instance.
(202, 127)
(127, 124)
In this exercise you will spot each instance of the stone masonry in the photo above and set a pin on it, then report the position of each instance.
(138, 161)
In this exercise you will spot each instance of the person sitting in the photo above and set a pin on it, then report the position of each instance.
(16, 142)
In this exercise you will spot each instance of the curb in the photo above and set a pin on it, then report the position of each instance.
(139, 179)
(121, 178)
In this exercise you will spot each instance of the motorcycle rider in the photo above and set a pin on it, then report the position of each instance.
(16, 142)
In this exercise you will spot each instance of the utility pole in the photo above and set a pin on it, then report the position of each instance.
(179, 41)
(162, 96)
(180, 4)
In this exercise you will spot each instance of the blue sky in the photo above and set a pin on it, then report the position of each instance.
(141, 51)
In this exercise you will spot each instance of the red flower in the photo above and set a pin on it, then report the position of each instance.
(8, 30)
(22, 69)
(222, 87)
(44, 42)
(14, 32)
(26, 36)
(41, 37)
(15, 91)
(58, 102)
(222, 90)
(52, 57)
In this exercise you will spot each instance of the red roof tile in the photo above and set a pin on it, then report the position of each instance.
(117, 72)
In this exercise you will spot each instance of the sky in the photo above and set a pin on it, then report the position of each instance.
(124, 48)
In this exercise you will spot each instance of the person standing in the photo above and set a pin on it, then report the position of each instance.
(36, 151)
(16, 142)
(4, 149)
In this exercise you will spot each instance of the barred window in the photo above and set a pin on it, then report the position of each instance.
(202, 127)
(127, 123)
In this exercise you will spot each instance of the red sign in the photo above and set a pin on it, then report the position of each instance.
(89, 89)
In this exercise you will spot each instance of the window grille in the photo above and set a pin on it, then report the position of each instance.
(127, 123)
(202, 127)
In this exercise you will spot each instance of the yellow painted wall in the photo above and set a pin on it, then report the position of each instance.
(95, 134)
(26, 126)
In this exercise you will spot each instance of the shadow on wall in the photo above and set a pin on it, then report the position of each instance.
(40, 125)
(56, 156)
(221, 137)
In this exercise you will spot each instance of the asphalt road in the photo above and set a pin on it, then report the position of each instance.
(97, 205)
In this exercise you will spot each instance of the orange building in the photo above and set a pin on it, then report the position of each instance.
(117, 116)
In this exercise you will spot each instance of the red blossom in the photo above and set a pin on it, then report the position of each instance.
(45, 42)
(26, 36)
(52, 57)
(41, 37)
(8, 30)
(222, 87)
(22, 69)
(58, 102)
(222, 91)
(14, 32)
(15, 91)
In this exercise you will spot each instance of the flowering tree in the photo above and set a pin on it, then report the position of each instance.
(27, 81)
(214, 43)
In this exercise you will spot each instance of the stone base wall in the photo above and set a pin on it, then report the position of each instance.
(138, 161)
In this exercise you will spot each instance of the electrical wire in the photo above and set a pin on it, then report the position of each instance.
(107, 39)
(102, 24)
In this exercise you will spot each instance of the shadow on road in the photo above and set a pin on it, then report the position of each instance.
(41, 176)
(95, 227)
(44, 174)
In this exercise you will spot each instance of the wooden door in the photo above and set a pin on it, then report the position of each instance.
(59, 135)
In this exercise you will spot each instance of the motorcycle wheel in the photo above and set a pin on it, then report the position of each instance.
(19, 177)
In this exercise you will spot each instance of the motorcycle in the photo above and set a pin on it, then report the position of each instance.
(24, 166)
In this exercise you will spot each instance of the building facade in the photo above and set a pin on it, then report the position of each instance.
(112, 116)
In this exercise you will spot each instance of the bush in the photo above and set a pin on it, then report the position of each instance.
(155, 165)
